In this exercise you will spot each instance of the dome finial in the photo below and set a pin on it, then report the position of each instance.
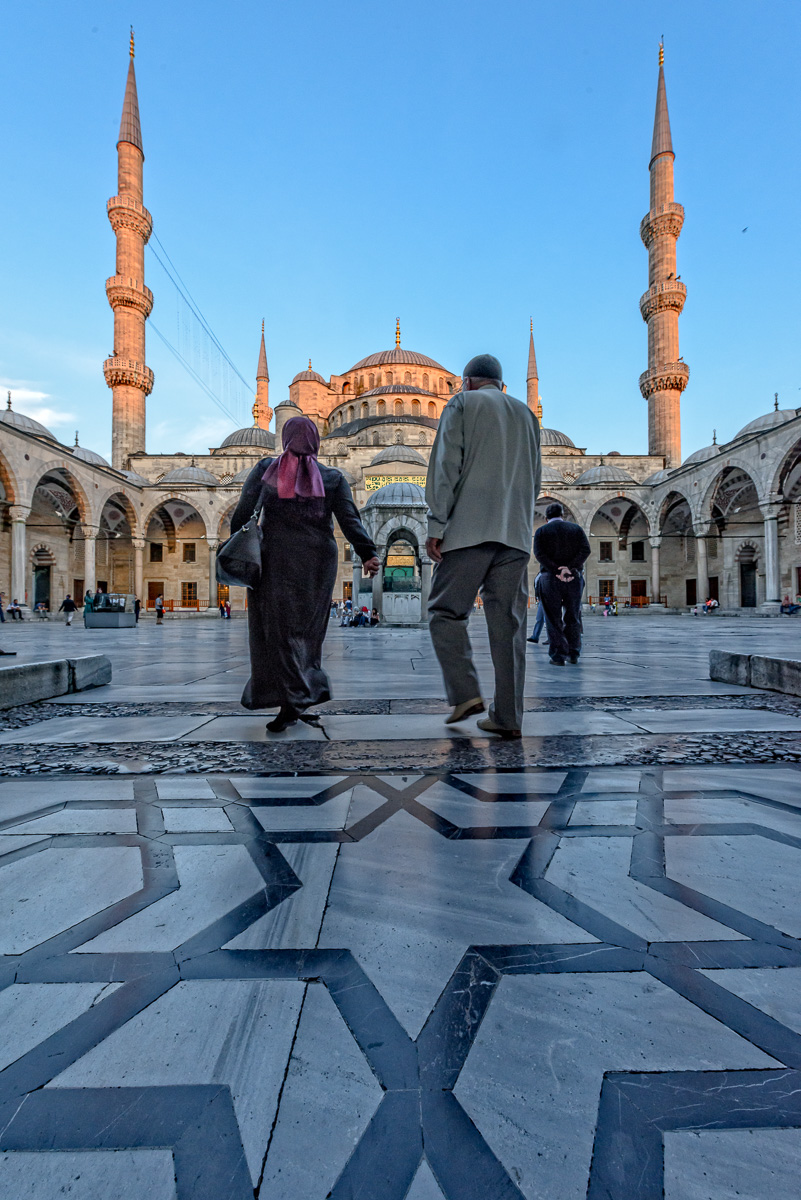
(8, 406)
(775, 401)
(255, 411)
(309, 364)
(132, 43)
(714, 437)
(76, 437)
(397, 331)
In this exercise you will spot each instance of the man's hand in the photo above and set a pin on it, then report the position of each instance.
(564, 574)
(371, 566)
(433, 549)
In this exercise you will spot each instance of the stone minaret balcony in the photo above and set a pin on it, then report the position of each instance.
(670, 295)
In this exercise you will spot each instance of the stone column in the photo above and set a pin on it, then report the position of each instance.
(89, 573)
(213, 544)
(770, 516)
(656, 579)
(18, 514)
(139, 568)
(425, 578)
(702, 570)
(357, 577)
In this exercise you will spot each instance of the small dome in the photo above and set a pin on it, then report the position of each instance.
(192, 475)
(770, 420)
(309, 376)
(288, 404)
(398, 355)
(657, 477)
(252, 436)
(404, 454)
(551, 475)
(136, 479)
(398, 495)
(603, 474)
(25, 424)
(90, 456)
(702, 455)
(553, 437)
(242, 475)
(613, 454)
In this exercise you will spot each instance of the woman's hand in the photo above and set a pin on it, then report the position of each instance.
(371, 566)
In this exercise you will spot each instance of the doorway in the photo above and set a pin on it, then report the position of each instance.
(638, 592)
(691, 592)
(41, 586)
(714, 588)
(154, 590)
(748, 584)
(347, 591)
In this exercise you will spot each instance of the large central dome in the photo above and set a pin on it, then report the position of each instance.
(398, 355)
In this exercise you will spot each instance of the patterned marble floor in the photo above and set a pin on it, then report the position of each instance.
(539, 984)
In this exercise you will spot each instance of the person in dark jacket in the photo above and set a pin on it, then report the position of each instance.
(68, 607)
(288, 610)
(561, 548)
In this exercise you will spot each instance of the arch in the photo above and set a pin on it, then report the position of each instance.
(225, 519)
(432, 409)
(42, 554)
(127, 504)
(787, 462)
(365, 409)
(398, 408)
(622, 499)
(415, 408)
(376, 440)
(381, 408)
(746, 551)
(345, 387)
(351, 413)
(8, 480)
(177, 498)
(713, 491)
(546, 498)
(673, 500)
(82, 502)
(383, 529)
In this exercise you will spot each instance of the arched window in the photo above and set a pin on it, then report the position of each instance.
(389, 377)
(415, 408)
(423, 440)
(365, 409)
(442, 385)
(376, 440)
(398, 408)
(351, 412)
(361, 382)
(345, 387)
(378, 380)
(425, 382)
(382, 408)
(371, 380)
(432, 409)
(407, 377)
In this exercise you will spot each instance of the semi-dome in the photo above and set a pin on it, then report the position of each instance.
(551, 475)
(554, 437)
(135, 478)
(398, 495)
(252, 436)
(405, 454)
(603, 473)
(702, 455)
(24, 424)
(191, 475)
(398, 355)
(770, 420)
(390, 389)
(657, 477)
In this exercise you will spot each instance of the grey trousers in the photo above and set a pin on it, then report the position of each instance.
(500, 572)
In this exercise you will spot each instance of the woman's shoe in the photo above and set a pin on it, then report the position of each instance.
(286, 716)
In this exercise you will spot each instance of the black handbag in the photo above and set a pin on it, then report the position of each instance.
(239, 557)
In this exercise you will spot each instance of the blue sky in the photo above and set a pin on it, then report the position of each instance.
(461, 165)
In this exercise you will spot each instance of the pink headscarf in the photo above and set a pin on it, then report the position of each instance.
(295, 472)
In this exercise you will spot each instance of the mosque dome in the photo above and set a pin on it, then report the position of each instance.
(25, 424)
(309, 376)
(393, 389)
(657, 477)
(398, 355)
(135, 478)
(242, 475)
(603, 473)
(551, 475)
(88, 456)
(702, 455)
(553, 437)
(770, 420)
(397, 495)
(288, 404)
(404, 454)
(252, 436)
(191, 475)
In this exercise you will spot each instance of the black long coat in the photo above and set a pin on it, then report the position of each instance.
(288, 612)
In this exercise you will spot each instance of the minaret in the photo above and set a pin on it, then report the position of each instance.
(667, 375)
(126, 374)
(532, 378)
(262, 413)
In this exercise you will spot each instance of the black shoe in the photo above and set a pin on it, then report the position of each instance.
(573, 659)
(535, 640)
(558, 662)
(286, 716)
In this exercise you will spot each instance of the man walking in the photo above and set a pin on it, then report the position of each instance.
(561, 548)
(482, 485)
(68, 607)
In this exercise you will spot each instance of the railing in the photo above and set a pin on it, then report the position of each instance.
(626, 601)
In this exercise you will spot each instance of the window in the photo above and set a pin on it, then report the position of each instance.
(371, 380)
(351, 412)
(407, 378)
(348, 553)
(442, 385)
(423, 440)
(432, 409)
(415, 408)
(376, 440)
(389, 377)
(156, 552)
(638, 551)
(398, 408)
(425, 382)
(189, 552)
(606, 587)
(188, 595)
(605, 552)
(382, 408)
(365, 409)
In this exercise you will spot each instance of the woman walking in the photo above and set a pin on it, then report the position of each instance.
(288, 610)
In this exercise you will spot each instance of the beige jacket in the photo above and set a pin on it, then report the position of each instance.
(484, 472)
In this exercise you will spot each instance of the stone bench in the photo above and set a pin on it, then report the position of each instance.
(756, 670)
(24, 683)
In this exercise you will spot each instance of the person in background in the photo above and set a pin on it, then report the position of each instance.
(15, 610)
(68, 607)
(222, 609)
(159, 606)
(374, 619)
(539, 620)
(789, 609)
(561, 548)
(137, 608)
(2, 608)
(289, 607)
(41, 611)
(482, 486)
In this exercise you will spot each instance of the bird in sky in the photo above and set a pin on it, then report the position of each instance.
(746, 229)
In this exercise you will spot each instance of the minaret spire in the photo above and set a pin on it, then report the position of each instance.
(397, 331)
(667, 374)
(532, 378)
(129, 378)
(262, 413)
